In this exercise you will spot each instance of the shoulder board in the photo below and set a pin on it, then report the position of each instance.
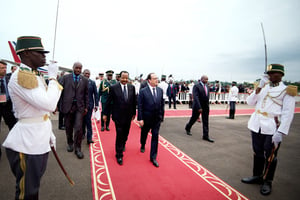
(27, 79)
(292, 90)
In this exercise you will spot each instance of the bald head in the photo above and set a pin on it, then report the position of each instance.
(77, 68)
(204, 79)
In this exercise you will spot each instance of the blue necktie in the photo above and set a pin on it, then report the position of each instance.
(154, 94)
(125, 93)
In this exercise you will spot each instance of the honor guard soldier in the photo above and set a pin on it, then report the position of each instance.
(103, 94)
(28, 143)
(274, 111)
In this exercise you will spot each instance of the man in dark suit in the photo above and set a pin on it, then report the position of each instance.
(121, 102)
(171, 93)
(151, 114)
(200, 106)
(74, 105)
(93, 101)
(6, 110)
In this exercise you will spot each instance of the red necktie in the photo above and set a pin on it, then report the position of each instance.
(205, 89)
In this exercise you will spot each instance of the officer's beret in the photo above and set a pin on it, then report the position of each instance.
(29, 43)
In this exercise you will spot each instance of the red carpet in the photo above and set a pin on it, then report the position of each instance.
(178, 177)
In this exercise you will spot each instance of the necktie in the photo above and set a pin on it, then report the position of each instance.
(2, 89)
(154, 94)
(125, 93)
(205, 89)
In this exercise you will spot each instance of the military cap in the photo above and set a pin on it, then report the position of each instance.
(109, 72)
(234, 82)
(29, 43)
(101, 74)
(163, 76)
(275, 68)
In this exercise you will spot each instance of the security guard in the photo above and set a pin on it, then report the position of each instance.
(232, 98)
(274, 110)
(28, 143)
(103, 94)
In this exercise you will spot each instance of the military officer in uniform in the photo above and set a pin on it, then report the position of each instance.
(103, 94)
(28, 143)
(274, 110)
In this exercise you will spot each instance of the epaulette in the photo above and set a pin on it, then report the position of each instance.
(292, 90)
(27, 79)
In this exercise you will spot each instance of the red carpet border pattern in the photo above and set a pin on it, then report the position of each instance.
(206, 175)
(101, 183)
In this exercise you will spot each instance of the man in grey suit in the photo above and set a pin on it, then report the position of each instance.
(121, 102)
(74, 104)
(151, 108)
(200, 106)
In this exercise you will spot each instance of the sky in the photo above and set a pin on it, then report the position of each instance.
(185, 38)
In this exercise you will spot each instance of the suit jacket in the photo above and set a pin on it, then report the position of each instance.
(70, 92)
(173, 91)
(93, 94)
(122, 111)
(201, 100)
(148, 108)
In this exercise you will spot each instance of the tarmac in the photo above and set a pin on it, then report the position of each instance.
(229, 157)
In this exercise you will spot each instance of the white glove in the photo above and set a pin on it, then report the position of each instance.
(263, 80)
(52, 70)
(53, 141)
(277, 138)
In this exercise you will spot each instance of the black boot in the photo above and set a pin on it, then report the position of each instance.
(266, 188)
(258, 168)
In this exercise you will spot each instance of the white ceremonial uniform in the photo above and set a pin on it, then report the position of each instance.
(31, 134)
(233, 94)
(271, 102)
(164, 86)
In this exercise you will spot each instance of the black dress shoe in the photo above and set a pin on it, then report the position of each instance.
(79, 154)
(102, 129)
(70, 148)
(154, 162)
(120, 161)
(266, 188)
(90, 141)
(62, 128)
(252, 180)
(188, 132)
(229, 118)
(143, 149)
(208, 139)
(107, 129)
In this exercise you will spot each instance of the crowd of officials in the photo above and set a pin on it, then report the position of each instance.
(27, 99)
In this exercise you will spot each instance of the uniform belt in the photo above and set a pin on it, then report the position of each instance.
(265, 114)
(34, 119)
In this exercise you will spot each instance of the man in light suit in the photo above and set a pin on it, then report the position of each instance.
(121, 102)
(74, 104)
(200, 106)
(93, 105)
(151, 114)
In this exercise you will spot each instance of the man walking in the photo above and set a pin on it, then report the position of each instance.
(151, 114)
(93, 105)
(103, 94)
(121, 102)
(200, 106)
(74, 105)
